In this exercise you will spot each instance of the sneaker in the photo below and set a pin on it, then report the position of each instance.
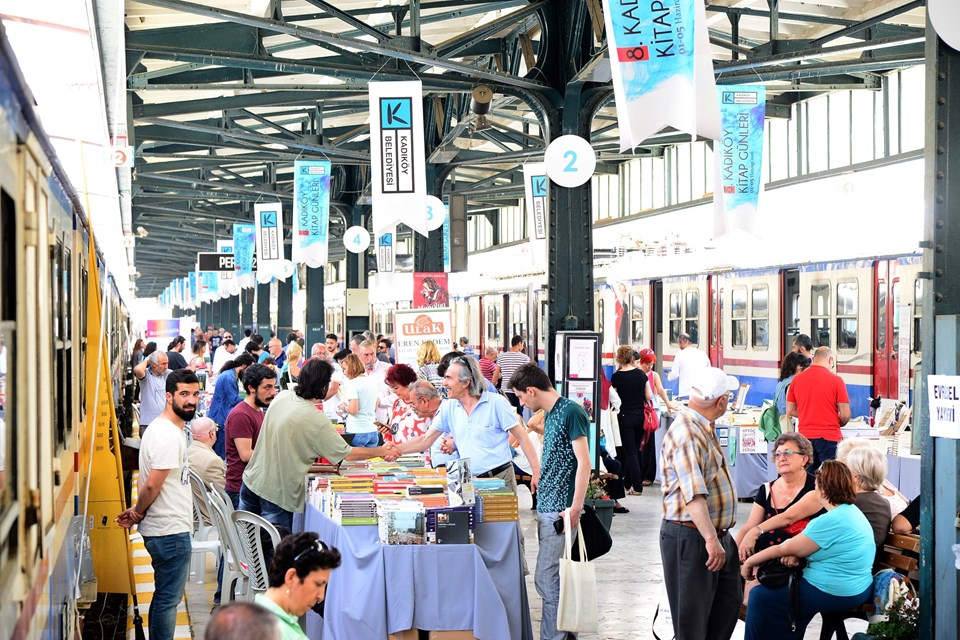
(621, 509)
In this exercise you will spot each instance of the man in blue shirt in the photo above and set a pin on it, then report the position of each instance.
(479, 422)
(565, 472)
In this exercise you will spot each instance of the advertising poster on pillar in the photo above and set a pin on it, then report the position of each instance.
(661, 67)
(415, 326)
(739, 155)
(430, 290)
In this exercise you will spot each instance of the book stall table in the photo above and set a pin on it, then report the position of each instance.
(382, 589)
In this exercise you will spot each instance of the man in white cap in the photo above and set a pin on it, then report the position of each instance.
(699, 509)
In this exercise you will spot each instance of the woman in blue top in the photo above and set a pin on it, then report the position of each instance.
(839, 550)
(792, 364)
(226, 395)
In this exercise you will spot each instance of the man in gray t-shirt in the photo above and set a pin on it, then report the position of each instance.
(152, 374)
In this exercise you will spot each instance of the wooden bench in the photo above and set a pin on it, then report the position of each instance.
(900, 553)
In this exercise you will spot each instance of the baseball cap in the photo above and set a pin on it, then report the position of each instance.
(711, 383)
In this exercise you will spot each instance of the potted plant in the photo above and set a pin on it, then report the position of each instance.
(600, 500)
(903, 618)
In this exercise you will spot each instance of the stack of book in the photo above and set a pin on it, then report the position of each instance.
(401, 522)
(355, 509)
(498, 506)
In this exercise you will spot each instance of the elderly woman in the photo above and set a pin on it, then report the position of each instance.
(404, 421)
(793, 454)
(869, 468)
(897, 501)
(839, 550)
(298, 576)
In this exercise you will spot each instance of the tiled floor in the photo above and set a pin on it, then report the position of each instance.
(629, 577)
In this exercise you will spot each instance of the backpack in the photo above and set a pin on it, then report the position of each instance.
(769, 423)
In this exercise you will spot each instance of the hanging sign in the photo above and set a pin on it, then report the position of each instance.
(430, 289)
(356, 239)
(397, 157)
(192, 297)
(219, 262)
(739, 156)
(311, 211)
(386, 256)
(944, 396)
(446, 243)
(269, 221)
(243, 243)
(436, 213)
(570, 161)
(662, 72)
(536, 187)
(228, 281)
(413, 327)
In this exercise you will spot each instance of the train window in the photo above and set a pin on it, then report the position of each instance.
(692, 315)
(882, 317)
(738, 317)
(9, 271)
(759, 310)
(59, 383)
(493, 323)
(820, 314)
(847, 305)
(676, 317)
(895, 300)
(917, 310)
(636, 318)
(518, 315)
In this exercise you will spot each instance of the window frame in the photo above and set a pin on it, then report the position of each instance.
(840, 319)
(739, 318)
(815, 317)
(757, 317)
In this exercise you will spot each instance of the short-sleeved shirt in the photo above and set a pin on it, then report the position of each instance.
(289, 624)
(153, 397)
(817, 391)
(487, 368)
(566, 422)
(481, 436)
(843, 565)
(876, 509)
(294, 434)
(776, 536)
(509, 362)
(176, 361)
(226, 395)
(243, 421)
(912, 513)
(631, 386)
(692, 464)
(164, 446)
(364, 391)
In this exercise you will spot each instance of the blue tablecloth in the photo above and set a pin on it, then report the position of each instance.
(904, 473)
(381, 589)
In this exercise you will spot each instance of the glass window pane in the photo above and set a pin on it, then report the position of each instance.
(693, 305)
(697, 170)
(820, 299)
(820, 332)
(636, 318)
(759, 302)
(893, 89)
(738, 333)
(692, 328)
(912, 108)
(861, 131)
(840, 128)
(882, 317)
(738, 307)
(816, 134)
(792, 141)
(675, 311)
(847, 299)
(659, 183)
(683, 173)
(847, 334)
(675, 330)
(761, 338)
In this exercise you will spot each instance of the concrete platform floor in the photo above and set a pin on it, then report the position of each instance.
(629, 577)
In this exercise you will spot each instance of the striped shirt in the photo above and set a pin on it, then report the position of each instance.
(509, 362)
(693, 463)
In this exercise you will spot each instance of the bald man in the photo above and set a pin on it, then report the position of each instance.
(818, 398)
(202, 459)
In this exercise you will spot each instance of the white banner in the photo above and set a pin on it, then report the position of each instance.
(662, 71)
(415, 326)
(386, 251)
(536, 186)
(229, 285)
(270, 262)
(397, 156)
(311, 211)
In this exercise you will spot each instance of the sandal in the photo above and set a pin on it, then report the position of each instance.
(647, 483)
(634, 492)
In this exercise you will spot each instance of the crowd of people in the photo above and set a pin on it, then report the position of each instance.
(271, 418)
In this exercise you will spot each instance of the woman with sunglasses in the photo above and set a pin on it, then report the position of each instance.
(298, 576)
(405, 423)
(793, 454)
(839, 550)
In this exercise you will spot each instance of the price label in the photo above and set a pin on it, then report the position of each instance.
(436, 212)
(356, 239)
(570, 161)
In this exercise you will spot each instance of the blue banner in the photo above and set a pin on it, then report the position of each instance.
(740, 155)
(311, 211)
(659, 52)
(243, 242)
(193, 289)
(446, 240)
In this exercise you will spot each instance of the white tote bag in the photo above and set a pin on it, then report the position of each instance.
(578, 611)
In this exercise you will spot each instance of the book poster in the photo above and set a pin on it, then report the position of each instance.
(752, 440)
(430, 289)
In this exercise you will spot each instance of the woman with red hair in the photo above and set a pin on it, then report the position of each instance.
(648, 459)
(404, 421)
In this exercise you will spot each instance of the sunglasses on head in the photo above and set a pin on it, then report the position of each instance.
(319, 547)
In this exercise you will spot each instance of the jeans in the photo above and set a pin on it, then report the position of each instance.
(220, 446)
(170, 557)
(823, 450)
(371, 439)
(272, 513)
(234, 498)
(768, 609)
(547, 575)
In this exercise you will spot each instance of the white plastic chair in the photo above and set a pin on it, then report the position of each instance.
(249, 528)
(234, 561)
(200, 542)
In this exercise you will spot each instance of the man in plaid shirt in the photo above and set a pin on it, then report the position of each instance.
(701, 569)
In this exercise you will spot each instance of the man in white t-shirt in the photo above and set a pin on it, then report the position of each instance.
(687, 363)
(377, 370)
(164, 509)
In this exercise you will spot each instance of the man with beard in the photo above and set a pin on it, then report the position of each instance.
(164, 509)
(244, 422)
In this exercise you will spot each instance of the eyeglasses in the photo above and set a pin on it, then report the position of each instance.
(319, 546)
(785, 454)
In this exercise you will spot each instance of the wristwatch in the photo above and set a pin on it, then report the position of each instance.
(760, 530)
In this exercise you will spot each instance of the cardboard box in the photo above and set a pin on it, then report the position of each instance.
(452, 635)
(409, 634)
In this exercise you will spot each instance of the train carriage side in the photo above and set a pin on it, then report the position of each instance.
(686, 309)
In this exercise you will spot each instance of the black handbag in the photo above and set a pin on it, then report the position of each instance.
(775, 575)
(596, 538)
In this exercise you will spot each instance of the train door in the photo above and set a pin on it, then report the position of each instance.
(789, 309)
(714, 324)
(886, 334)
(516, 305)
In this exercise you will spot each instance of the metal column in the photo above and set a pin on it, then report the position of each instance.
(246, 313)
(285, 302)
(357, 311)
(263, 309)
(315, 330)
(940, 461)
